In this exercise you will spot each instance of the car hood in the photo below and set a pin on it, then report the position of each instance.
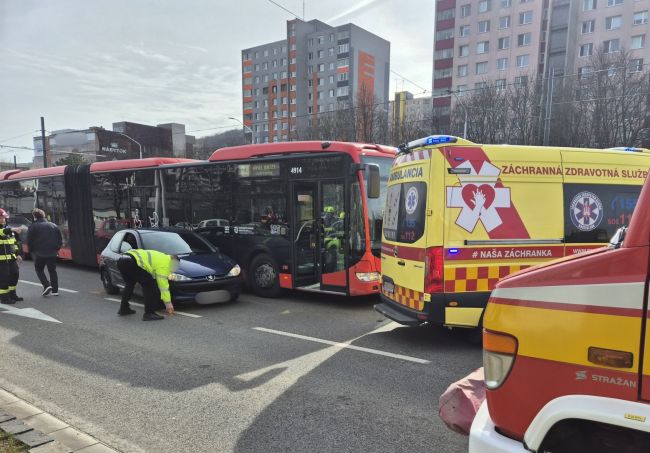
(203, 264)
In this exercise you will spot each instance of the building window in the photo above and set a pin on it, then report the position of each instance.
(342, 91)
(641, 18)
(342, 77)
(526, 18)
(484, 26)
(444, 53)
(524, 39)
(463, 51)
(586, 50)
(614, 2)
(331, 79)
(444, 34)
(638, 42)
(464, 31)
(331, 93)
(521, 80)
(636, 65)
(525, 1)
(500, 84)
(321, 54)
(266, 53)
(613, 22)
(504, 22)
(344, 48)
(462, 70)
(611, 45)
(481, 68)
(588, 5)
(504, 43)
(480, 85)
(446, 14)
(465, 10)
(523, 61)
(588, 26)
(330, 51)
(484, 6)
(483, 47)
(321, 67)
(342, 62)
(442, 73)
(502, 64)
(506, 3)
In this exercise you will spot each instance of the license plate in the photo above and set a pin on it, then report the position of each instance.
(389, 287)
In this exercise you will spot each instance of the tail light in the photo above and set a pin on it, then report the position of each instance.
(433, 270)
(499, 352)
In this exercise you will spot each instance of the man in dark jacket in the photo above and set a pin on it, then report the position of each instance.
(44, 241)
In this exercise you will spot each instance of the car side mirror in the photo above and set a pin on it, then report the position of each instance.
(372, 180)
(617, 240)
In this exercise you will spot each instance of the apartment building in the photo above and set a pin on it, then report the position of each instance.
(317, 68)
(407, 109)
(503, 42)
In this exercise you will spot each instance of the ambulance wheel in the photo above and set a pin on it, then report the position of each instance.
(108, 284)
(263, 276)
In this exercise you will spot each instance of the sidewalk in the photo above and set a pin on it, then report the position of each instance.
(41, 432)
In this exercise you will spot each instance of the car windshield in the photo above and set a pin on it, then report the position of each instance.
(174, 243)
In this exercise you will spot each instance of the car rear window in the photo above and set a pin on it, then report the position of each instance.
(404, 212)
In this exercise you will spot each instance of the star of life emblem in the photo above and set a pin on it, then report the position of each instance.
(586, 211)
(478, 200)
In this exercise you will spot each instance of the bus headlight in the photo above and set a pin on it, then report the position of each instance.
(174, 277)
(499, 352)
(235, 271)
(368, 276)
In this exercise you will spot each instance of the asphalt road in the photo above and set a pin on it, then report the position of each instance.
(303, 373)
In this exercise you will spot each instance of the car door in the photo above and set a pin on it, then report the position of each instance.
(125, 244)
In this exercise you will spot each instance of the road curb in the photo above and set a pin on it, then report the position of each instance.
(41, 432)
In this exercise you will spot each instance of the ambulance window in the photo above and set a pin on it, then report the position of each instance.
(404, 213)
(593, 212)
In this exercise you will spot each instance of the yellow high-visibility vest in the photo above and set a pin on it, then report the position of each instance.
(156, 264)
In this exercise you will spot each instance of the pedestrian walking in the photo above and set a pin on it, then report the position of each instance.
(44, 241)
(10, 256)
(151, 270)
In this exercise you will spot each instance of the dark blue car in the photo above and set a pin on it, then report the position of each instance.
(205, 275)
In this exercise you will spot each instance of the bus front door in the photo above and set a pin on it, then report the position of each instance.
(319, 236)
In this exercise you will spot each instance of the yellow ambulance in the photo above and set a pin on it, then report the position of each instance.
(459, 216)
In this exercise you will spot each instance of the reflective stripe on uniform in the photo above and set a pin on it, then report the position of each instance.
(4, 291)
(12, 288)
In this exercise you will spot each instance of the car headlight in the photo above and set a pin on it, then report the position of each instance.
(174, 277)
(235, 271)
(368, 276)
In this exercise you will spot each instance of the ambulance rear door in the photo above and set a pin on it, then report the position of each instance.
(404, 233)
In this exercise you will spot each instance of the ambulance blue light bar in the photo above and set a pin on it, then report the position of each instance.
(629, 149)
(428, 141)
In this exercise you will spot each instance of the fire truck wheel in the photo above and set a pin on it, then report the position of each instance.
(263, 276)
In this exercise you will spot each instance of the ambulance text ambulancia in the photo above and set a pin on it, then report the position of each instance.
(460, 216)
(567, 351)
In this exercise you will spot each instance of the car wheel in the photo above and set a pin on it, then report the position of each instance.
(108, 284)
(263, 277)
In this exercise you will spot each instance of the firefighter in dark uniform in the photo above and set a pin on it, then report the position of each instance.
(10, 252)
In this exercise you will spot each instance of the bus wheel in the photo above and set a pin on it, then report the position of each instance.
(263, 276)
(108, 284)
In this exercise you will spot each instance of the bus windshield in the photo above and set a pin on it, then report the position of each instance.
(376, 205)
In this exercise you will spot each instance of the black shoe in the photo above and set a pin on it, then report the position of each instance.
(46, 291)
(13, 296)
(7, 300)
(152, 317)
(126, 311)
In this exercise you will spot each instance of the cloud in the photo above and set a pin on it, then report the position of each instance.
(147, 54)
(358, 8)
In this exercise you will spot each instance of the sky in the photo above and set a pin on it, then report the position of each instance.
(84, 63)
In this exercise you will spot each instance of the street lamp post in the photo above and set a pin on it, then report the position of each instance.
(464, 108)
(243, 125)
(132, 139)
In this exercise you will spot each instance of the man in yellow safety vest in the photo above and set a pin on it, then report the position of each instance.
(151, 270)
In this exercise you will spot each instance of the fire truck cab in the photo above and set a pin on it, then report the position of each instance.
(567, 352)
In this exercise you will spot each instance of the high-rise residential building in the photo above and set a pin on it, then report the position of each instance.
(505, 42)
(317, 68)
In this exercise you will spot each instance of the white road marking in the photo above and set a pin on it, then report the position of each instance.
(38, 284)
(345, 345)
(28, 313)
(189, 315)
